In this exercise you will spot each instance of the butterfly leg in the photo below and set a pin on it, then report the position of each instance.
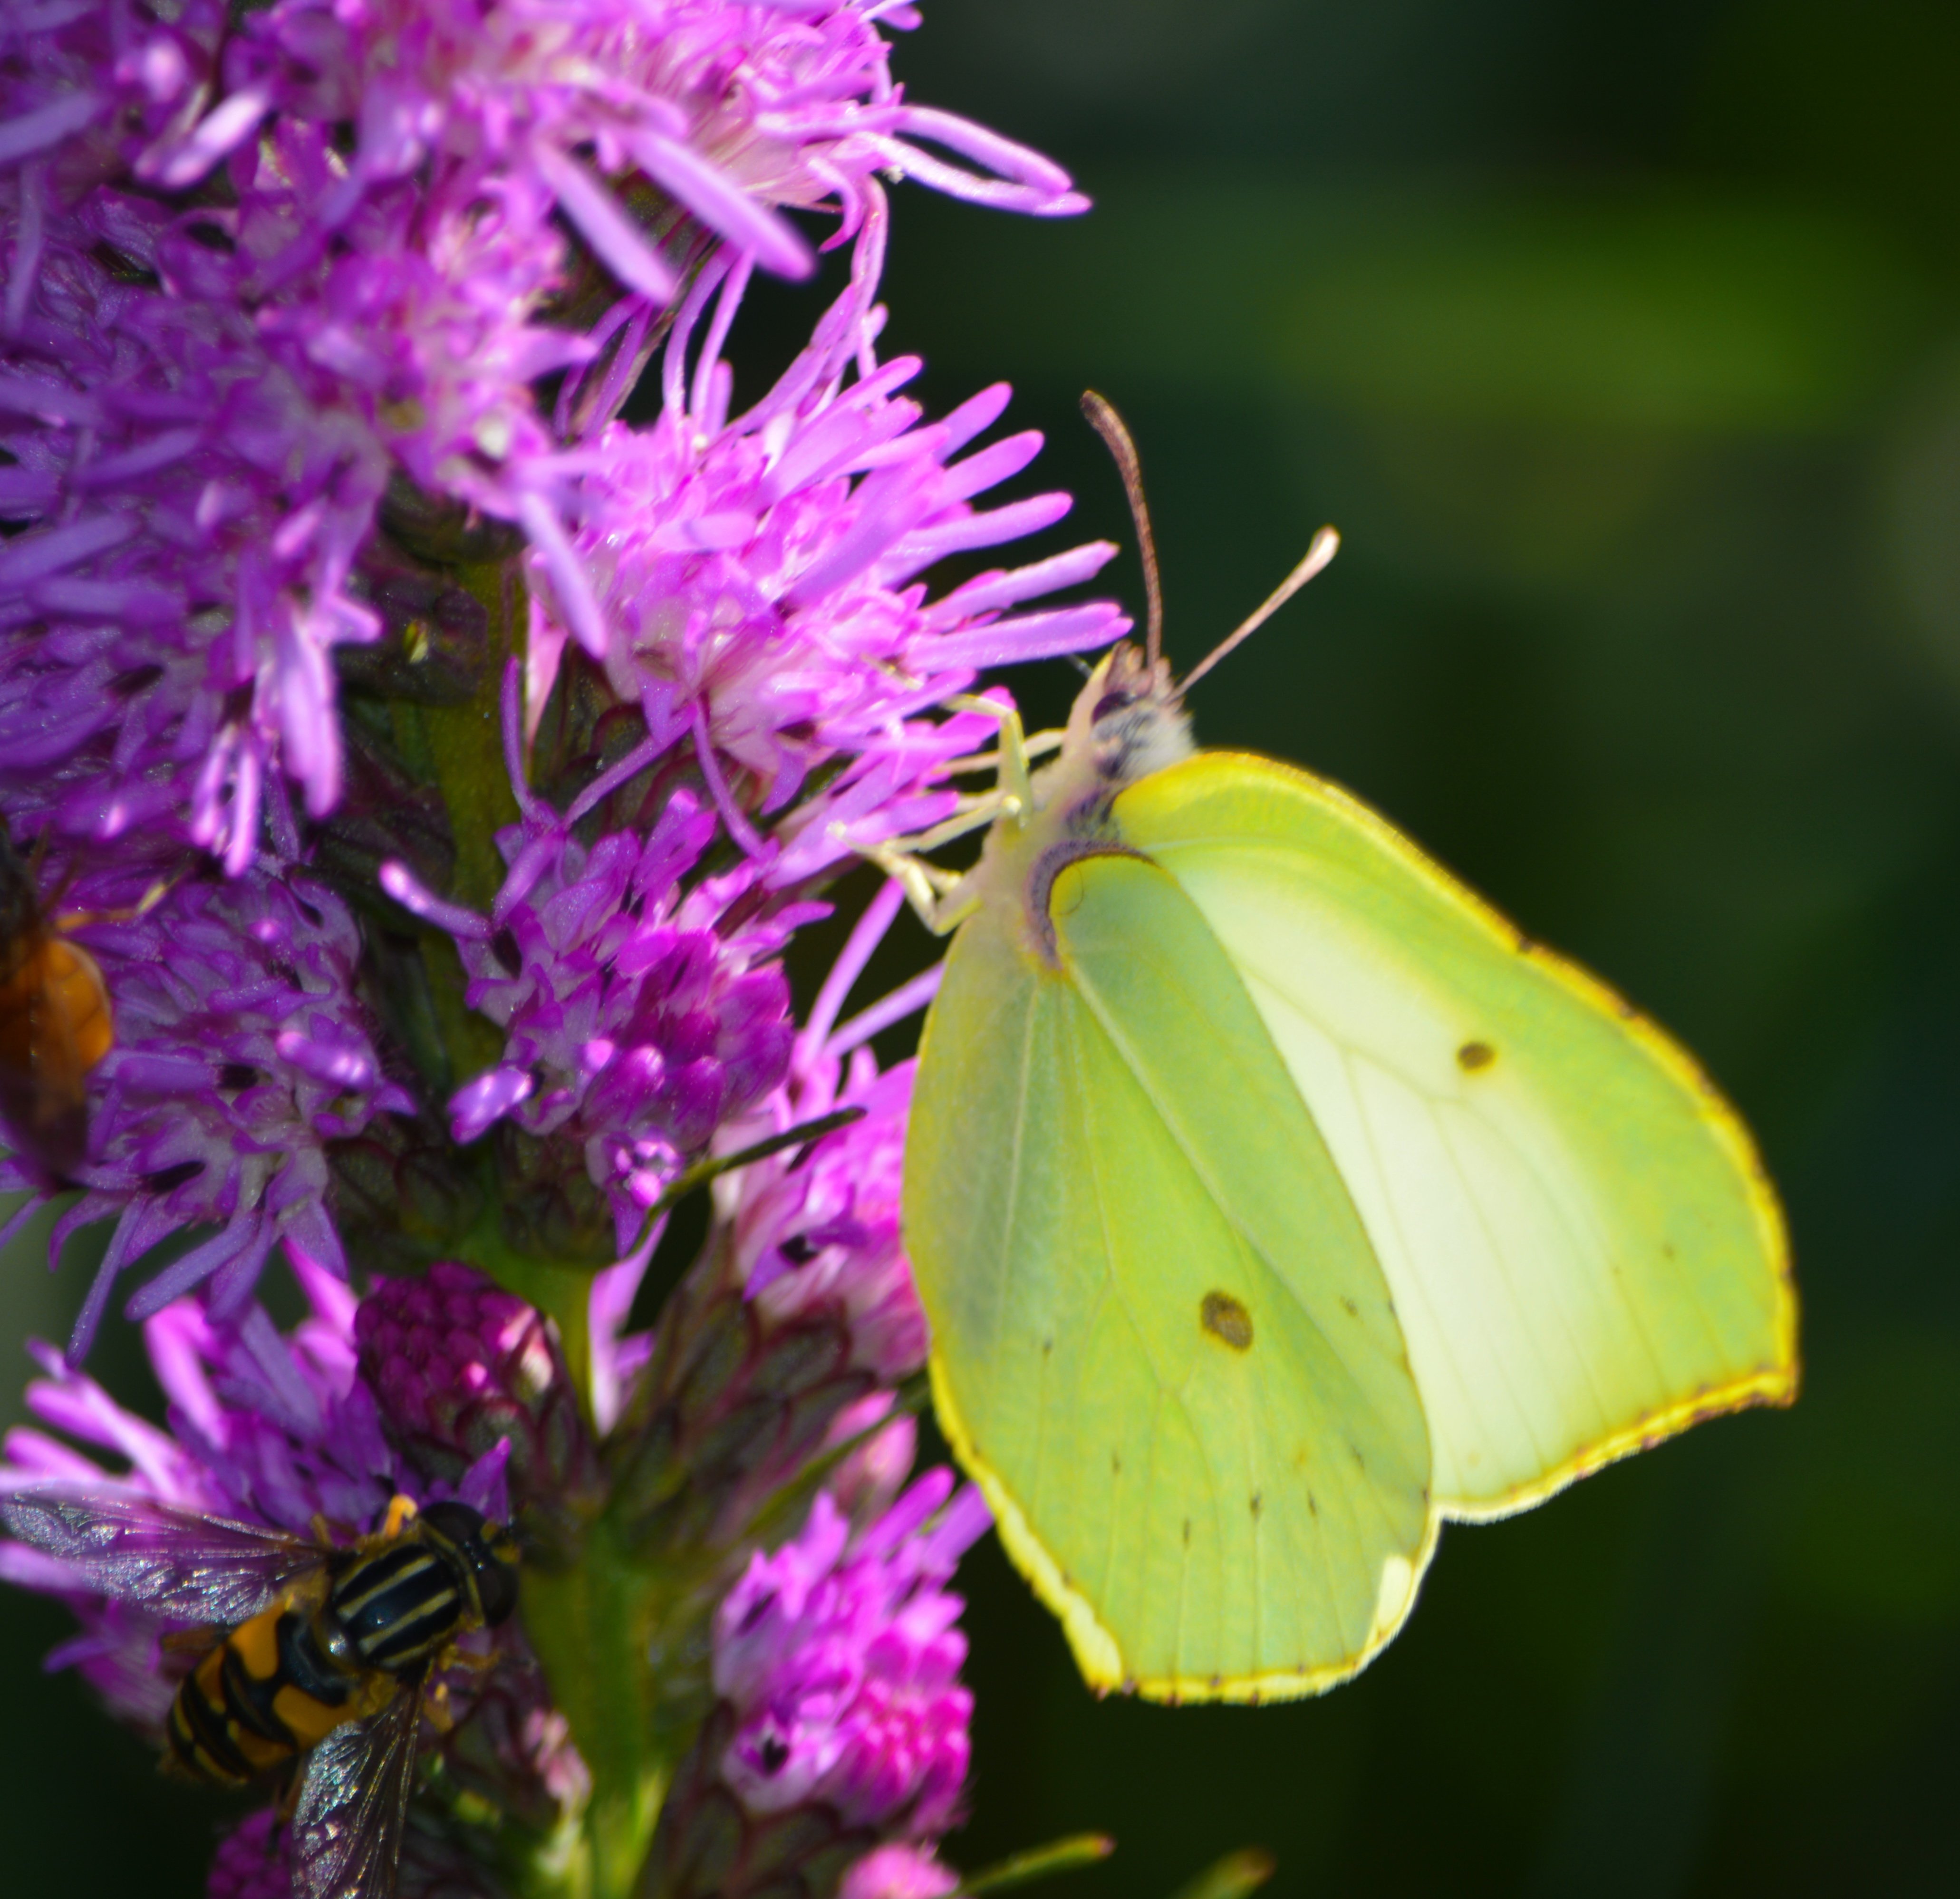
(934, 894)
(927, 888)
(1016, 800)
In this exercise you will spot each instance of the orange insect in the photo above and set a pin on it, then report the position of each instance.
(55, 1024)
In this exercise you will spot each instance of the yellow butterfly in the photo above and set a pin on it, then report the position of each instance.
(1272, 1200)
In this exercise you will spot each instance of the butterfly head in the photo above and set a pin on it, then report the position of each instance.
(1129, 719)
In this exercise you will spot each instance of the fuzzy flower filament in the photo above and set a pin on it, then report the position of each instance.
(752, 585)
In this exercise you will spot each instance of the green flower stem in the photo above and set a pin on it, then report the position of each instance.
(461, 747)
(595, 1627)
(466, 741)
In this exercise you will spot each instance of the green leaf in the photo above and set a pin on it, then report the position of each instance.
(1059, 1855)
(1245, 1871)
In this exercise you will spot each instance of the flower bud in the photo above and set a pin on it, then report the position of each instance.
(456, 1364)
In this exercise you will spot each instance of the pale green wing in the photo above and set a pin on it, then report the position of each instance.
(1585, 1252)
(1161, 1344)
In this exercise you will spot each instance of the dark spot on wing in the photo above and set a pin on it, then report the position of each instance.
(1115, 1463)
(1312, 1509)
(1354, 1451)
(1353, 1311)
(1226, 1319)
(1255, 1503)
(1187, 1533)
(1473, 1056)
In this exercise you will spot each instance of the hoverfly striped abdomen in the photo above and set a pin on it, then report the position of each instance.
(321, 1657)
(267, 1691)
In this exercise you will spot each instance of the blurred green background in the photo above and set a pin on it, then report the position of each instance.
(1622, 342)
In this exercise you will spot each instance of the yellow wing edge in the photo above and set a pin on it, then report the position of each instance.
(1775, 1384)
(1097, 1652)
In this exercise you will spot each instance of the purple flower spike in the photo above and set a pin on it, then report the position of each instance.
(318, 319)
(755, 588)
(837, 1659)
(192, 512)
(639, 1019)
(240, 1053)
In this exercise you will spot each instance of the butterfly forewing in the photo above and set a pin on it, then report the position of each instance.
(1161, 1342)
(354, 1803)
(185, 1566)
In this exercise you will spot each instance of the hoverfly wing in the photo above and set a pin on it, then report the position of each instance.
(186, 1566)
(354, 1804)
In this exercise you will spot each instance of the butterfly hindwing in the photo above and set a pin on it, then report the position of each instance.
(1583, 1249)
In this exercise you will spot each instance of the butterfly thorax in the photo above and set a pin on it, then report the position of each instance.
(1127, 721)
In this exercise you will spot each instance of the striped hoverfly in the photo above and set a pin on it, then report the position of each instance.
(325, 1659)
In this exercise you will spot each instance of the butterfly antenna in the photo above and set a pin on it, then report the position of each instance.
(1104, 419)
(1326, 544)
